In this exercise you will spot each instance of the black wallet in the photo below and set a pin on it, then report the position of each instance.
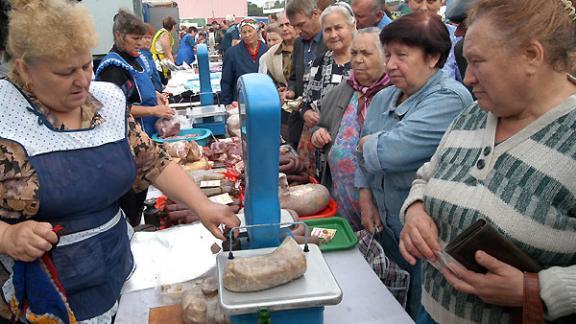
(483, 236)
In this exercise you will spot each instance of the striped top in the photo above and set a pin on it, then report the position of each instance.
(525, 186)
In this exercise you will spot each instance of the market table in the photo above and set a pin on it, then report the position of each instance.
(366, 299)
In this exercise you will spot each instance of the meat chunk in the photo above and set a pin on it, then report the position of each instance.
(285, 264)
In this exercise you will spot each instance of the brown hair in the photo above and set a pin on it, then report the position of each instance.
(126, 23)
(422, 29)
(149, 29)
(168, 23)
(273, 28)
(548, 22)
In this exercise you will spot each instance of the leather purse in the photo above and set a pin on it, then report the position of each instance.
(483, 236)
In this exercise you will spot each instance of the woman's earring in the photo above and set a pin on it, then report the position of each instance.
(28, 87)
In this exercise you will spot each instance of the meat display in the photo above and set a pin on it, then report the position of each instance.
(286, 263)
(306, 200)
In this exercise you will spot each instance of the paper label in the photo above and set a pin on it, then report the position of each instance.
(222, 199)
(209, 183)
(324, 234)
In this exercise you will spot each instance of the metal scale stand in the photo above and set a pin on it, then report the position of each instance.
(213, 117)
(302, 300)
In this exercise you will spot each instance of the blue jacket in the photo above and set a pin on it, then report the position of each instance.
(403, 137)
(186, 50)
(237, 62)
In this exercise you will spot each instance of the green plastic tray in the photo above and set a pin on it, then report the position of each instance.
(344, 238)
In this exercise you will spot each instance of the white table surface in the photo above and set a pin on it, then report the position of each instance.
(365, 299)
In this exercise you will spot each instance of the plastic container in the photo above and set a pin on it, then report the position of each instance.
(216, 128)
(329, 211)
(344, 238)
(200, 135)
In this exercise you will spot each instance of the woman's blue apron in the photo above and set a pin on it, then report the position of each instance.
(143, 82)
(81, 175)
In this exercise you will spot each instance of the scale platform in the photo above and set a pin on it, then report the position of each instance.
(317, 287)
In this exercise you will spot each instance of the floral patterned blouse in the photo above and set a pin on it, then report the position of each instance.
(19, 182)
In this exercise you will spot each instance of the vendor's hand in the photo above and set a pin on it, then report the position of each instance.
(213, 215)
(419, 236)
(180, 214)
(311, 118)
(28, 240)
(369, 215)
(233, 105)
(163, 111)
(282, 93)
(320, 138)
(289, 94)
(162, 98)
(502, 285)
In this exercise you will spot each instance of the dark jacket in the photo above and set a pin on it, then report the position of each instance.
(237, 62)
(296, 84)
(332, 110)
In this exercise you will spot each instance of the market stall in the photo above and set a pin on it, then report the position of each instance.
(187, 276)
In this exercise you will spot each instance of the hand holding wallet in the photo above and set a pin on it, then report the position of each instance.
(483, 236)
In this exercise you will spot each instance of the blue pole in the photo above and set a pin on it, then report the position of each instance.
(206, 94)
(260, 124)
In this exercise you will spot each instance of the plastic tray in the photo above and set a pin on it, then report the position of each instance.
(344, 238)
(202, 136)
(329, 211)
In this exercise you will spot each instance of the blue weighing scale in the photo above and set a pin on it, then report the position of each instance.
(216, 123)
(302, 300)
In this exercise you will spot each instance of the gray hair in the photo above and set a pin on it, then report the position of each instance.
(126, 23)
(342, 8)
(305, 7)
(370, 31)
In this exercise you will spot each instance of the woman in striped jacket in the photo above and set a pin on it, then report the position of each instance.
(509, 159)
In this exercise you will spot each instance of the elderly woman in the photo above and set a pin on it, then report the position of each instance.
(508, 159)
(277, 63)
(338, 27)
(342, 117)
(241, 59)
(69, 150)
(404, 125)
(125, 66)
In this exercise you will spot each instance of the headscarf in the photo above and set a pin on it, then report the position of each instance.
(249, 22)
(365, 94)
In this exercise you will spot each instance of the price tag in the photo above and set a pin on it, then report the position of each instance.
(209, 183)
(224, 199)
(324, 234)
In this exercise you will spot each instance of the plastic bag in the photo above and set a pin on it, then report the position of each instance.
(167, 127)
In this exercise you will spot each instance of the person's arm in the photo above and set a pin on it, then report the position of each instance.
(154, 167)
(558, 292)
(415, 138)
(28, 239)
(162, 111)
(166, 47)
(179, 187)
(227, 80)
